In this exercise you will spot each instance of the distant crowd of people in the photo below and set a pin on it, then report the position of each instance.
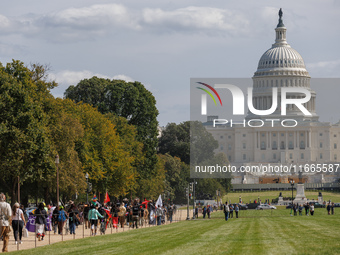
(309, 208)
(229, 210)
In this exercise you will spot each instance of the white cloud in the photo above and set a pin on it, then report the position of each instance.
(67, 77)
(86, 23)
(325, 64)
(195, 18)
(90, 18)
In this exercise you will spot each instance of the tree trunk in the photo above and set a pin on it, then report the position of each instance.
(46, 196)
(14, 197)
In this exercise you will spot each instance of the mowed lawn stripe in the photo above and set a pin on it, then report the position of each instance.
(252, 234)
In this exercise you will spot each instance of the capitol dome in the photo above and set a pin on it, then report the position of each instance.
(281, 66)
(281, 59)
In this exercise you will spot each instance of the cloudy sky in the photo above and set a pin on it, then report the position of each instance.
(165, 43)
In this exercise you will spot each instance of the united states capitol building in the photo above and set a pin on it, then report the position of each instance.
(310, 142)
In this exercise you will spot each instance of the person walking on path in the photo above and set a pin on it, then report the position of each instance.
(40, 221)
(204, 212)
(5, 218)
(61, 220)
(236, 210)
(55, 215)
(332, 208)
(93, 218)
(18, 222)
(121, 214)
(226, 211)
(73, 218)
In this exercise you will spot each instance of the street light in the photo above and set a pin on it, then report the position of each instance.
(292, 184)
(87, 187)
(57, 163)
(194, 197)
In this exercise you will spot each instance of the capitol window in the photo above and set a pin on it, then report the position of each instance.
(244, 157)
(302, 145)
(320, 155)
(291, 145)
(335, 146)
(244, 145)
(335, 157)
(320, 145)
(302, 156)
(320, 134)
(274, 156)
(274, 145)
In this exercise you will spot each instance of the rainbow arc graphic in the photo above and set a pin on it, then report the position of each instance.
(204, 97)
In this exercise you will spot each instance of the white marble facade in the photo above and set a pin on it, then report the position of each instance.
(311, 141)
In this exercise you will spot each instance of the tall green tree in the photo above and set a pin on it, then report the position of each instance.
(130, 100)
(25, 150)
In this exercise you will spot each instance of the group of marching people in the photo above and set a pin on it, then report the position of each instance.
(133, 214)
(48, 217)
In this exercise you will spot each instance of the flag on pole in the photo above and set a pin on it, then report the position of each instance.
(159, 202)
(107, 198)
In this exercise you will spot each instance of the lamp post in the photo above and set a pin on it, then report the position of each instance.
(194, 197)
(57, 163)
(87, 187)
(292, 184)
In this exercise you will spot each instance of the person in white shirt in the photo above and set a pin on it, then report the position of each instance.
(5, 218)
(311, 208)
(18, 222)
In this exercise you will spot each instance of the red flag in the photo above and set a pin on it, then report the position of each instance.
(107, 198)
(145, 202)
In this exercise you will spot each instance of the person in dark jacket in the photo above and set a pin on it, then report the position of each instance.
(329, 208)
(55, 215)
(40, 221)
(204, 211)
(135, 214)
(231, 214)
(73, 218)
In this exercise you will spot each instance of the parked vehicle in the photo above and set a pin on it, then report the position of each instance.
(252, 205)
(265, 207)
(318, 205)
(289, 206)
(241, 206)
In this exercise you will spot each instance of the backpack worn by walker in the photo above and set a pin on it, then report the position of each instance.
(61, 216)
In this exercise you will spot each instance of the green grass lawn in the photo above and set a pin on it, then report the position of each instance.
(246, 196)
(255, 232)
